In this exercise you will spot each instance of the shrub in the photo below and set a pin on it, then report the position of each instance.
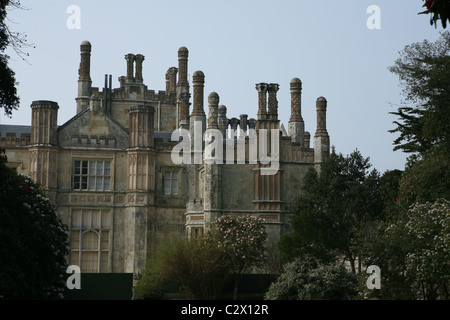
(305, 278)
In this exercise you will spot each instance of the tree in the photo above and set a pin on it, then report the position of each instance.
(9, 99)
(413, 253)
(426, 178)
(33, 240)
(424, 72)
(336, 211)
(438, 10)
(428, 263)
(199, 266)
(306, 278)
(243, 241)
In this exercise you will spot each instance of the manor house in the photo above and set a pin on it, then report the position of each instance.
(111, 173)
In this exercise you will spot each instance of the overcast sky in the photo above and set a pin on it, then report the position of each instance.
(325, 43)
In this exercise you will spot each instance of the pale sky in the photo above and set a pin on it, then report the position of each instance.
(325, 43)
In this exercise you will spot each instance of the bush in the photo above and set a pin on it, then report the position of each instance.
(306, 278)
(33, 240)
(197, 265)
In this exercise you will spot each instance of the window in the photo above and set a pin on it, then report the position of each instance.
(89, 239)
(92, 175)
(197, 233)
(170, 182)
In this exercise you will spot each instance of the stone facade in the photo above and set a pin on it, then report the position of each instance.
(111, 172)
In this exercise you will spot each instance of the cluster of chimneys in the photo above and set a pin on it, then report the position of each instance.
(267, 95)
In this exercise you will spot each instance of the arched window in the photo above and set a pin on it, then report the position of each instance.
(90, 232)
(89, 251)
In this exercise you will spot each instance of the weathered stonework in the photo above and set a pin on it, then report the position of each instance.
(113, 161)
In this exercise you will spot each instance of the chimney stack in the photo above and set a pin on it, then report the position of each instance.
(272, 113)
(262, 100)
(139, 58)
(84, 77)
(296, 124)
(130, 62)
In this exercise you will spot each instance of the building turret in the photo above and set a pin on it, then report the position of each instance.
(141, 126)
(84, 77)
(44, 117)
(140, 151)
(44, 150)
(296, 124)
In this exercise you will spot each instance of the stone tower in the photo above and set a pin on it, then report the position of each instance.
(44, 149)
(140, 153)
(141, 185)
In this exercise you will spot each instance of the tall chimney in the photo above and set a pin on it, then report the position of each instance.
(296, 124)
(84, 77)
(272, 113)
(183, 85)
(321, 138)
(213, 101)
(171, 80)
(262, 100)
(199, 84)
(139, 58)
(130, 62)
(183, 54)
(321, 108)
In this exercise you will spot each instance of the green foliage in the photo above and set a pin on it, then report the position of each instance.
(426, 178)
(305, 278)
(424, 72)
(203, 266)
(428, 263)
(390, 183)
(336, 210)
(243, 240)
(150, 286)
(9, 100)
(197, 265)
(413, 253)
(33, 240)
(438, 10)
